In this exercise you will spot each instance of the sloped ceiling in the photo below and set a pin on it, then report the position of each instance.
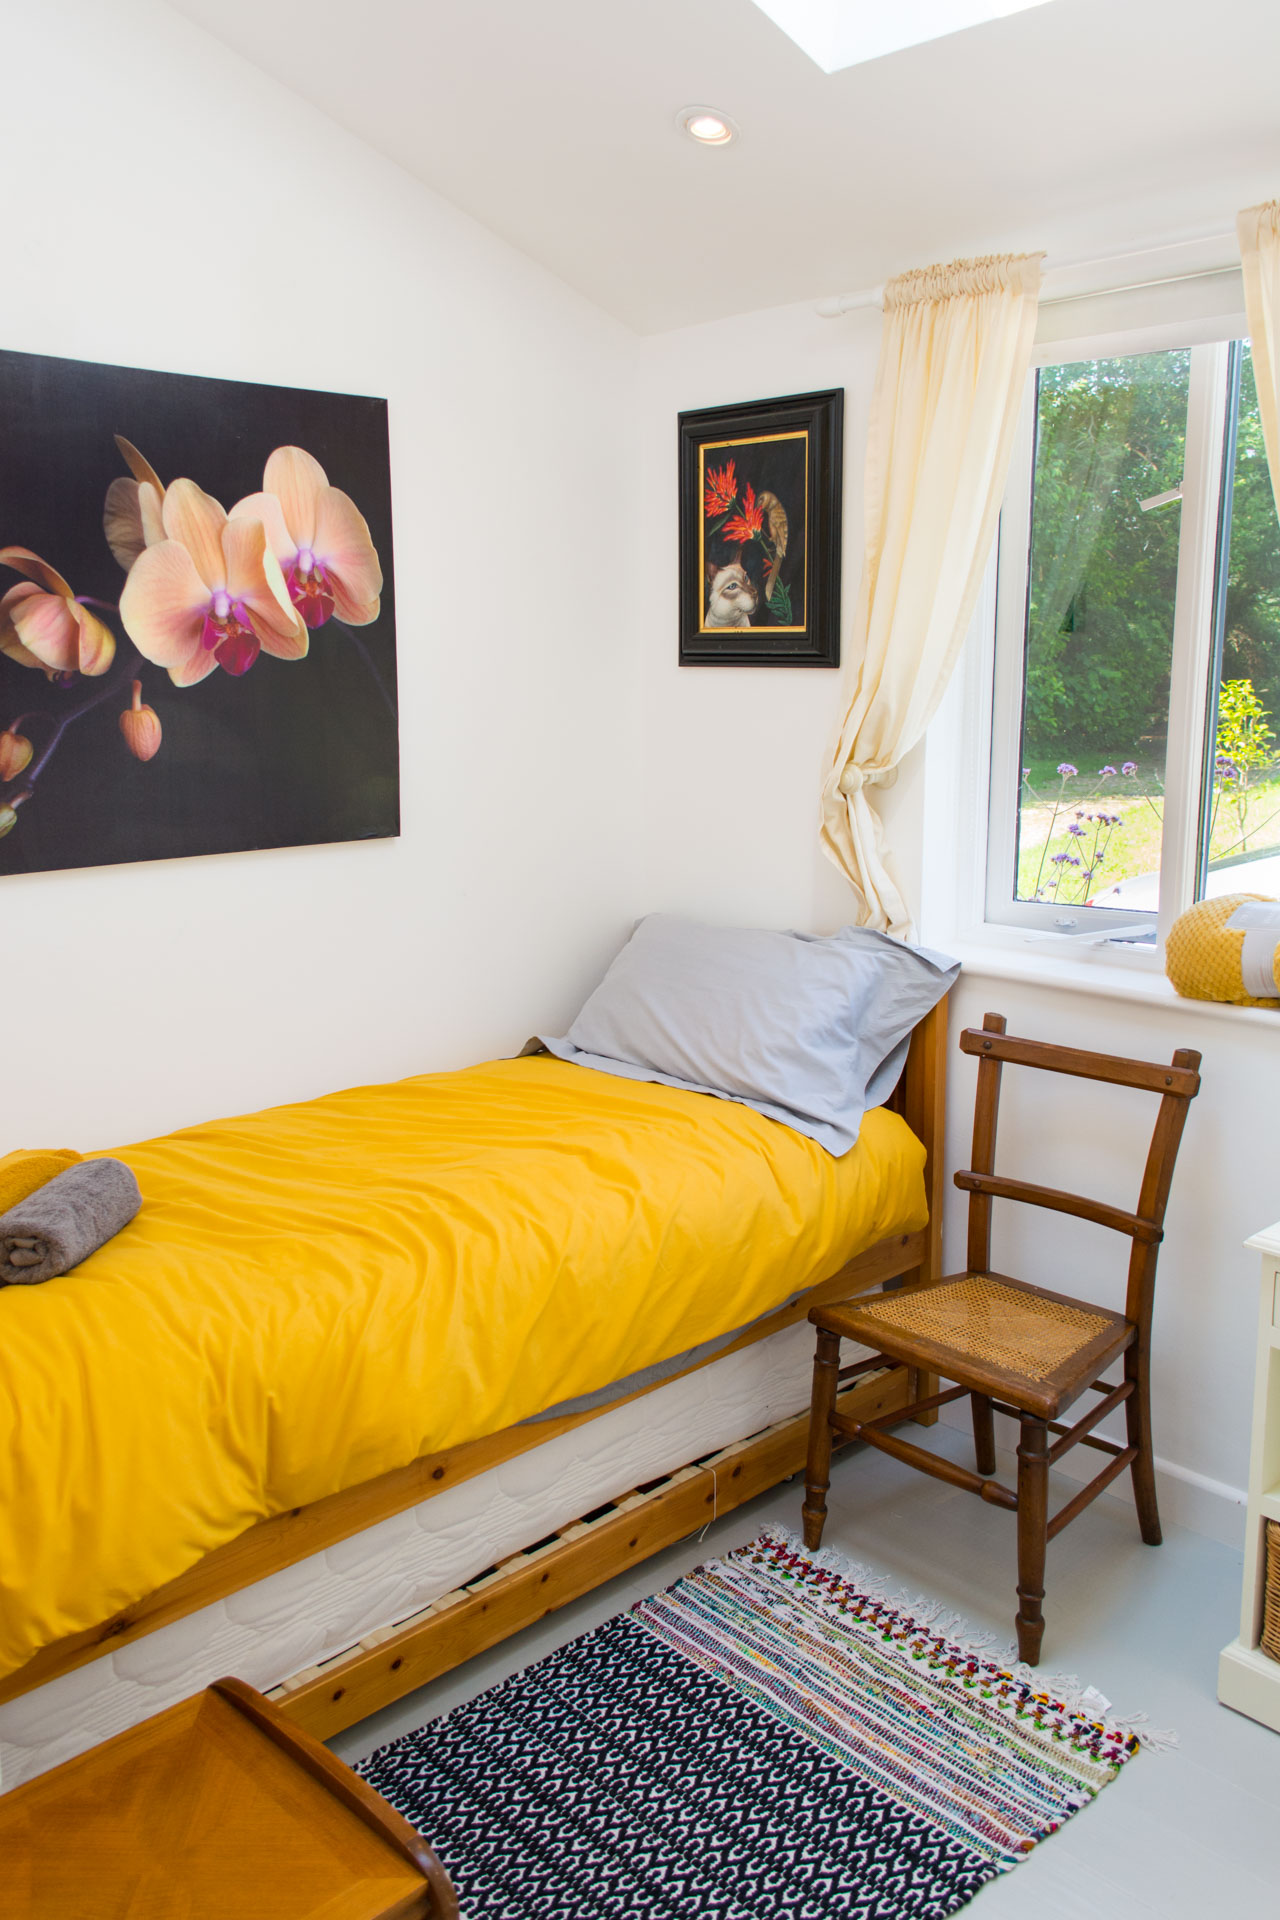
(1080, 125)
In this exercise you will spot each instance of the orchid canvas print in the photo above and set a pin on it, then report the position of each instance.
(197, 631)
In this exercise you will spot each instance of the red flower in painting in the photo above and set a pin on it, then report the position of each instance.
(745, 525)
(722, 489)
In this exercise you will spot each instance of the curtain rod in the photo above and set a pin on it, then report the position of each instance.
(837, 304)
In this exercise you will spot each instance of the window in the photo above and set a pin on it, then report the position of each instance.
(1136, 739)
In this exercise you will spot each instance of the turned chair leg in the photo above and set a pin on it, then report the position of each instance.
(1137, 1412)
(984, 1432)
(1033, 1534)
(817, 1473)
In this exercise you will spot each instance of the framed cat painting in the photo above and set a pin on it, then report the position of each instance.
(760, 489)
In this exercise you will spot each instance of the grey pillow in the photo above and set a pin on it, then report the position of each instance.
(810, 1030)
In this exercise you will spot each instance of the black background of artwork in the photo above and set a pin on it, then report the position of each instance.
(821, 415)
(292, 753)
(774, 466)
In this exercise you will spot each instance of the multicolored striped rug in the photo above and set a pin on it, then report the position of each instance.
(763, 1739)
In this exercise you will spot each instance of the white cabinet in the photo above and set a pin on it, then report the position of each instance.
(1248, 1679)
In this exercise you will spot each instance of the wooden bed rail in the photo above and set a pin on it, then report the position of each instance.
(385, 1666)
(921, 1098)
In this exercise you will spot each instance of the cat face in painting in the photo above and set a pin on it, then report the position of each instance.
(731, 598)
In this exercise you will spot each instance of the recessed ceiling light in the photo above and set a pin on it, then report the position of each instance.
(707, 126)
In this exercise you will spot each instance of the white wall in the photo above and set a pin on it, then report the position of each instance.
(165, 206)
(735, 755)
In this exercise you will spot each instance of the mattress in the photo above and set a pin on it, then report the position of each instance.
(318, 1294)
(327, 1603)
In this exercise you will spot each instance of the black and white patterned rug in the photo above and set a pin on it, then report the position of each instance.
(768, 1738)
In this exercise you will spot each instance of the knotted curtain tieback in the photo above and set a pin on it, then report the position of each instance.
(855, 778)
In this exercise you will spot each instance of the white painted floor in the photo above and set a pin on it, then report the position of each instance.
(1195, 1831)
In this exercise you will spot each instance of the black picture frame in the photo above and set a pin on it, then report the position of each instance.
(770, 471)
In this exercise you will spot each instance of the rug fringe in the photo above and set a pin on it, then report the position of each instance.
(1075, 1696)
(934, 1614)
(1154, 1739)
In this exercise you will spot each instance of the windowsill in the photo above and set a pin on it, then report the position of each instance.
(1111, 976)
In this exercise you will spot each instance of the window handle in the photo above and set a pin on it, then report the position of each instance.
(1161, 499)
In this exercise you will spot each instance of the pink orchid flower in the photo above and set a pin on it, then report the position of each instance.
(209, 594)
(43, 625)
(320, 538)
(131, 516)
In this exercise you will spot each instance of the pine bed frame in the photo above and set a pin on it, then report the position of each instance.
(607, 1542)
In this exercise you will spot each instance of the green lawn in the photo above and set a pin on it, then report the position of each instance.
(1119, 817)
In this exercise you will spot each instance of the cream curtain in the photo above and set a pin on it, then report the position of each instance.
(1259, 230)
(954, 356)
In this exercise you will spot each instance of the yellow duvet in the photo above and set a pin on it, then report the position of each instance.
(313, 1295)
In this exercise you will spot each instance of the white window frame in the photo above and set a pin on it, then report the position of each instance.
(1192, 650)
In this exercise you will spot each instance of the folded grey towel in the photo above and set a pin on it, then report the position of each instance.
(63, 1222)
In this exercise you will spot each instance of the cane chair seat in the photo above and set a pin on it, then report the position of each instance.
(1035, 1348)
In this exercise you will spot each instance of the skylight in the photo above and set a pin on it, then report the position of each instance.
(841, 33)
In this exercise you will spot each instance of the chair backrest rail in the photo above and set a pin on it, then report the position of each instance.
(1000, 1188)
(1148, 1075)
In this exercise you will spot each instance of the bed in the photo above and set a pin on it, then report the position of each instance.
(237, 1442)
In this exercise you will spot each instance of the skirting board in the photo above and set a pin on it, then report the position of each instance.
(1249, 1681)
(1187, 1499)
(549, 1574)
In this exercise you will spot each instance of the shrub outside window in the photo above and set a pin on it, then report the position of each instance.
(1135, 750)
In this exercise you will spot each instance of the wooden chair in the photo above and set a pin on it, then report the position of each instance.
(1014, 1348)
